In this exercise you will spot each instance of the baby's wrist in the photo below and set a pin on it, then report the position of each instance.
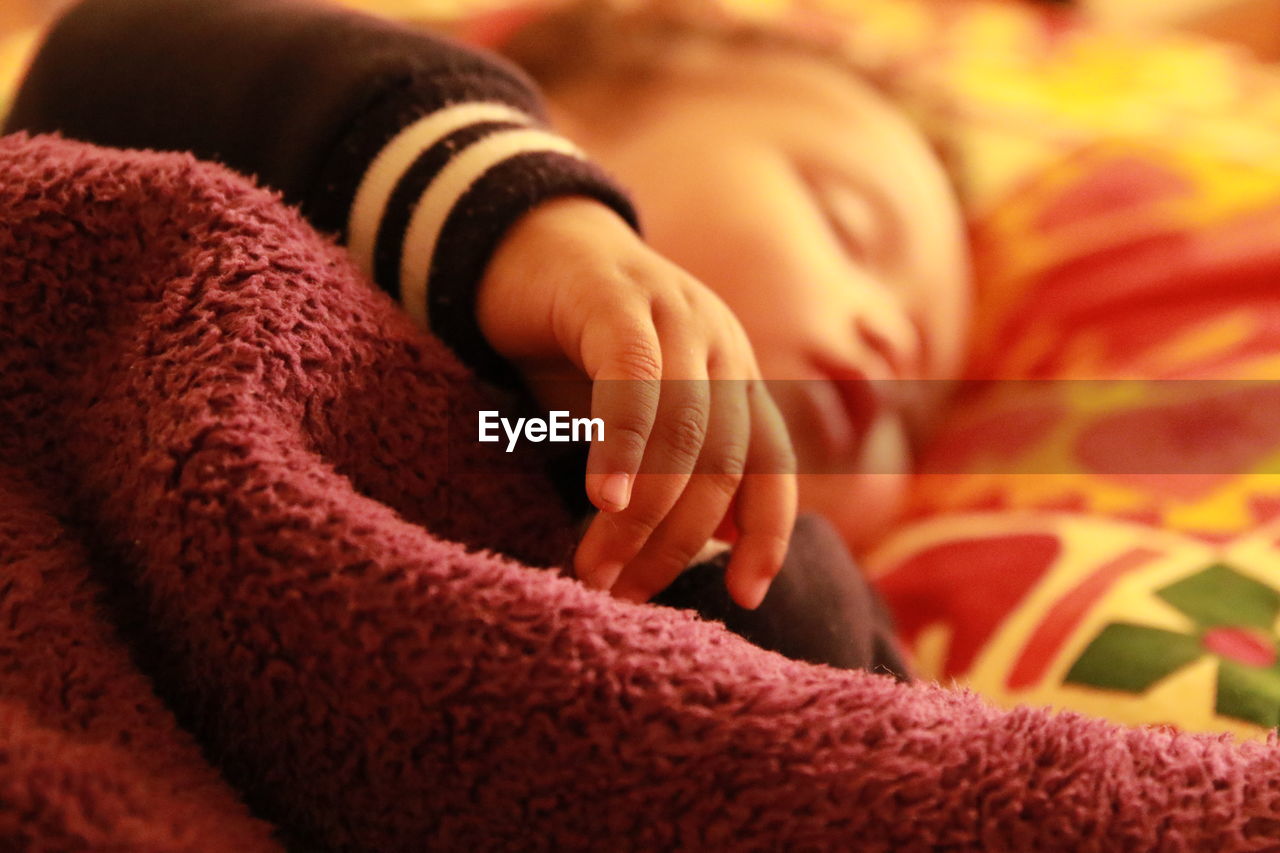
(557, 244)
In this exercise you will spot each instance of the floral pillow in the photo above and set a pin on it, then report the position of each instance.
(1098, 524)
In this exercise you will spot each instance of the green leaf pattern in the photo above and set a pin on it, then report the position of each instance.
(1133, 658)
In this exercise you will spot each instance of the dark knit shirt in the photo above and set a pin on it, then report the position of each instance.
(417, 152)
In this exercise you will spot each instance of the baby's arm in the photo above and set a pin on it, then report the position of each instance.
(432, 163)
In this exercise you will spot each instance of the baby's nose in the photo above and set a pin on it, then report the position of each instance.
(883, 329)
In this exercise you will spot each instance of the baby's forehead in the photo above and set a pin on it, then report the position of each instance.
(820, 102)
(782, 69)
(792, 80)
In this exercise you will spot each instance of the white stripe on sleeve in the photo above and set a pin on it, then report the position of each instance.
(388, 168)
(442, 194)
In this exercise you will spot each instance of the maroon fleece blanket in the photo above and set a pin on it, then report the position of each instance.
(244, 605)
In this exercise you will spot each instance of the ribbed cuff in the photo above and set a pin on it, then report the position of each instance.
(423, 195)
(476, 224)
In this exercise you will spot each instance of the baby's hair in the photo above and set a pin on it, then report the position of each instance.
(626, 44)
(631, 42)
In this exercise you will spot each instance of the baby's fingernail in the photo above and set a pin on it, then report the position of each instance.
(615, 492)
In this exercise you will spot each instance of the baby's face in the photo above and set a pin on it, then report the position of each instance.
(823, 220)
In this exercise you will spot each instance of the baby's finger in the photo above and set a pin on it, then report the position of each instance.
(765, 511)
(694, 518)
(624, 360)
(614, 538)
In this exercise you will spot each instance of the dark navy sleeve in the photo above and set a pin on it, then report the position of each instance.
(417, 152)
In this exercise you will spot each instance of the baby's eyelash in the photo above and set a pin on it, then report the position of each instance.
(854, 218)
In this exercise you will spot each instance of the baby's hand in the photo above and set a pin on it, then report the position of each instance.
(572, 287)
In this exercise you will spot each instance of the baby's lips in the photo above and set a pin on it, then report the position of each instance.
(867, 396)
(863, 400)
(849, 402)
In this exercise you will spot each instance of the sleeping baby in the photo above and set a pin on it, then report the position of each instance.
(797, 232)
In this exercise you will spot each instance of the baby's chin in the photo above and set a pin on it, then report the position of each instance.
(862, 503)
(861, 506)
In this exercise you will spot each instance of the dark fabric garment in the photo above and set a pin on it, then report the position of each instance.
(819, 609)
(302, 96)
(205, 413)
(268, 87)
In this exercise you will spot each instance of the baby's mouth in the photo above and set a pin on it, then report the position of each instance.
(864, 403)
(841, 411)
(864, 425)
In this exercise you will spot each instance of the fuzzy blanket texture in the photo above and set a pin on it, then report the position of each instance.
(247, 603)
